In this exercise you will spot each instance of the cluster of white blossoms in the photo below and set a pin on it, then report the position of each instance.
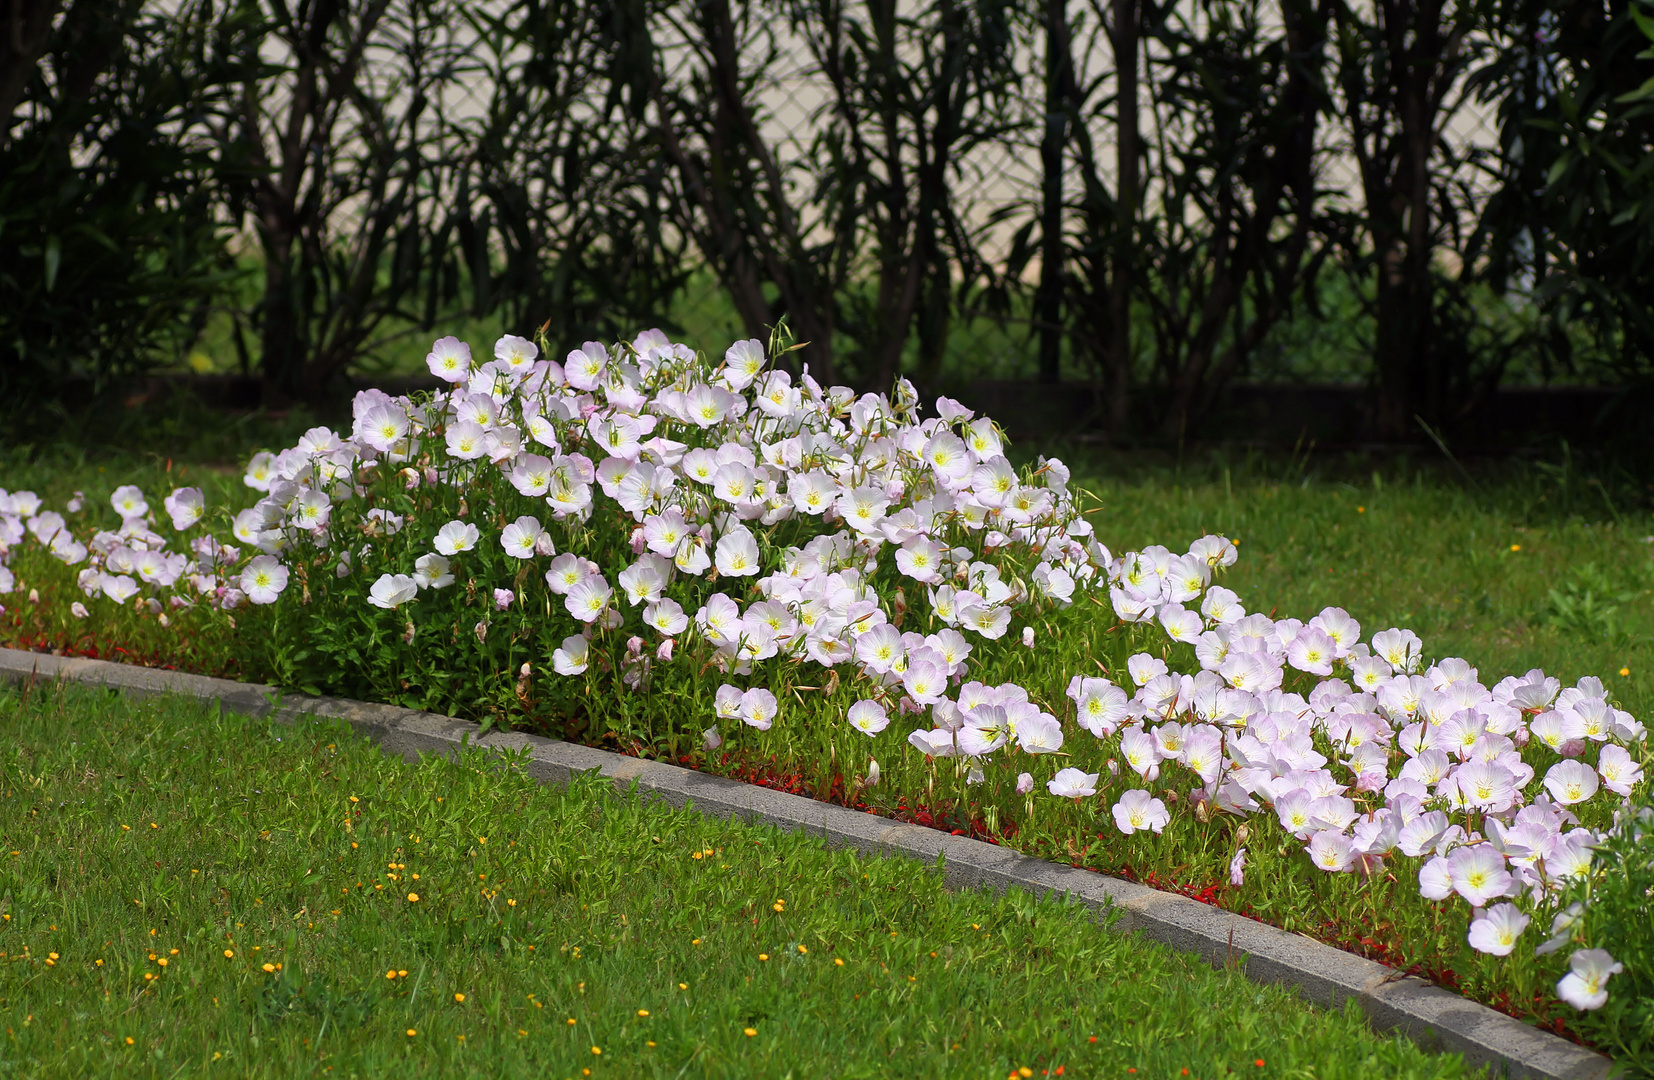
(130, 564)
(703, 459)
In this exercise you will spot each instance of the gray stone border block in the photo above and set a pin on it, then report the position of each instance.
(1431, 1016)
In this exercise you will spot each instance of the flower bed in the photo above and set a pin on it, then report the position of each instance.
(722, 563)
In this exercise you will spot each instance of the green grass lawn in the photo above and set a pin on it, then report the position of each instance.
(1468, 565)
(192, 893)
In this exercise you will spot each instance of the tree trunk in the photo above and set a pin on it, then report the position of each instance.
(1048, 317)
(25, 31)
(1125, 238)
(279, 345)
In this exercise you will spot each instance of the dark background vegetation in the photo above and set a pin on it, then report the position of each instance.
(302, 193)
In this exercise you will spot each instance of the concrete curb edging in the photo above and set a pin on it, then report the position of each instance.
(1326, 976)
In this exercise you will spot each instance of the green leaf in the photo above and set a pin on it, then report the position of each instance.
(1644, 22)
(54, 259)
(1643, 92)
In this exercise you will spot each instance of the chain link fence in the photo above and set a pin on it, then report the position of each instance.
(998, 184)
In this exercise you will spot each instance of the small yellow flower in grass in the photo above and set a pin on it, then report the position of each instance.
(390, 974)
(750, 1032)
(229, 954)
(162, 961)
(148, 975)
(401, 973)
(597, 1050)
(522, 1033)
(412, 1032)
(1361, 509)
(128, 828)
(838, 961)
(413, 898)
(643, 1012)
(650, 1044)
(354, 799)
(683, 986)
(99, 961)
(697, 941)
(802, 950)
(459, 999)
(153, 825)
(129, 1040)
(763, 956)
(269, 968)
(1516, 547)
(482, 839)
(571, 1021)
(1625, 673)
(779, 906)
(1025, 1071)
(511, 903)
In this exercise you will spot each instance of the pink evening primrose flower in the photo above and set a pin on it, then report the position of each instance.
(455, 537)
(392, 591)
(1478, 874)
(1585, 986)
(1571, 782)
(1072, 784)
(868, 717)
(1496, 931)
(1137, 810)
(264, 579)
(450, 360)
(520, 537)
(572, 656)
(186, 507)
(589, 599)
(758, 708)
(1331, 850)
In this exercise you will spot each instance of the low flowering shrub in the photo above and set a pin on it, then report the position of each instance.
(1604, 922)
(728, 564)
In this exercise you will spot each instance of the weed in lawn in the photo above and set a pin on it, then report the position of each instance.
(186, 890)
(1587, 604)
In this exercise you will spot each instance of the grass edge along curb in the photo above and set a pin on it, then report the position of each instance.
(1325, 976)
